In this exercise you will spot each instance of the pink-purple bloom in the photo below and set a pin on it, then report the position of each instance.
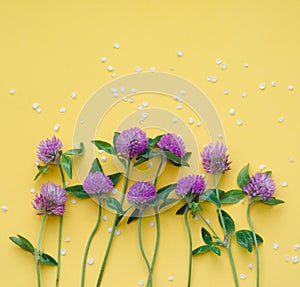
(173, 143)
(141, 193)
(48, 150)
(189, 186)
(131, 142)
(262, 185)
(97, 184)
(214, 158)
(51, 199)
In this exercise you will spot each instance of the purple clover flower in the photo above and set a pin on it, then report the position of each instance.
(51, 199)
(141, 193)
(173, 143)
(48, 150)
(262, 185)
(215, 159)
(131, 142)
(189, 186)
(97, 184)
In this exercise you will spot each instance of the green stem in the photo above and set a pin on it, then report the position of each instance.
(89, 243)
(219, 205)
(236, 282)
(38, 251)
(142, 249)
(255, 243)
(60, 232)
(190, 246)
(158, 171)
(208, 225)
(116, 220)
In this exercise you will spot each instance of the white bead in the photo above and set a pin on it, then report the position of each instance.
(138, 69)
(170, 278)
(133, 90)
(32, 190)
(35, 105)
(115, 94)
(214, 79)
(239, 122)
(207, 221)
(290, 159)
(246, 65)
(280, 119)
(36, 162)
(105, 218)
(116, 45)
(262, 166)
(250, 266)
(110, 68)
(4, 208)
(152, 69)
(225, 92)
(113, 75)
(284, 183)
(103, 158)
(145, 104)
(182, 92)
(171, 68)
(273, 84)
(287, 258)
(62, 110)
(275, 246)
(73, 201)
(144, 115)
(296, 246)
(179, 53)
(262, 86)
(152, 223)
(122, 89)
(90, 261)
(38, 110)
(68, 239)
(56, 127)
(174, 120)
(131, 100)
(140, 107)
(150, 163)
(224, 66)
(290, 87)
(244, 94)
(73, 95)
(209, 78)
(141, 283)
(118, 232)
(243, 276)
(109, 230)
(218, 61)
(191, 120)
(198, 124)
(63, 252)
(196, 218)
(11, 91)
(220, 136)
(295, 259)
(81, 121)
(179, 106)
(114, 191)
(103, 59)
(232, 111)
(242, 201)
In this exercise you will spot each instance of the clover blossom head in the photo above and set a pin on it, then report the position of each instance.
(262, 185)
(48, 150)
(190, 186)
(141, 193)
(51, 200)
(173, 143)
(214, 158)
(97, 184)
(131, 142)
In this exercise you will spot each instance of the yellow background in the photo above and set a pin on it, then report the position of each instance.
(51, 48)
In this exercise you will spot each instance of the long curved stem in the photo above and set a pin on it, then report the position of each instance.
(89, 243)
(116, 220)
(142, 249)
(190, 246)
(38, 251)
(255, 244)
(208, 225)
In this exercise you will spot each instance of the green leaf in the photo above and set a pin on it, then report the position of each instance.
(120, 216)
(215, 250)
(272, 201)
(206, 236)
(76, 151)
(66, 164)
(201, 249)
(232, 196)
(187, 156)
(268, 172)
(102, 145)
(114, 204)
(96, 166)
(245, 239)
(210, 195)
(23, 243)
(78, 191)
(41, 170)
(175, 159)
(116, 134)
(47, 259)
(243, 177)
(228, 221)
(134, 216)
(115, 177)
(140, 160)
(154, 141)
(182, 209)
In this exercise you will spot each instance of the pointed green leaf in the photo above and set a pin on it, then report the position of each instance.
(187, 156)
(242, 239)
(76, 151)
(201, 249)
(114, 204)
(210, 195)
(269, 172)
(96, 166)
(175, 159)
(42, 169)
(134, 216)
(115, 177)
(182, 209)
(78, 191)
(272, 201)
(154, 141)
(228, 221)
(47, 259)
(243, 177)
(102, 145)
(116, 134)
(206, 236)
(233, 196)
(23, 243)
(66, 164)
(215, 250)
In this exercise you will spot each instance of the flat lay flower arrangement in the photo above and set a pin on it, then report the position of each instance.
(132, 148)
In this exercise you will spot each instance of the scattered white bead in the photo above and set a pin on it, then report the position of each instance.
(140, 107)
(138, 69)
(275, 246)
(145, 104)
(105, 217)
(68, 239)
(250, 266)
(214, 79)
(273, 84)
(152, 223)
(287, 258)
(174, 120)
(103, 59)
(4, 208)
(90, 261)
(81, 121)
(284, 184)
(62, 110)
(295, 259)
(113, 75)
(63, 252)
(11, 91)
(171, 68)
(239, 122)
(179, 106)
(224, 66)
(198, 124)
(218, 61)
(110, 68)
(36, 162)
(152, 69)
(38, 110)
(73, 95)
(170, 278)
(56, 127)
(109, 230)
(242, 201)
(141, 283)
(225, 92)
(209, 78)
(246, 65)
(243, 276)
(118, 232)
(280, 119)
(115, 94)
(207, 221)
(191, 120)
(35, 106)
(103, 158)
(131, 100)
(262, 166)
(196, 218)
(262, 86)
(232, 111)
(296, 247)
(113, 90)
(290, 87)
(32, 190)
(150, 163)
(114, 191)
(122, 90)
(133, 90)
(100, 150)
(116, 45)
(290, 159)
(202, 175)
(125, 99)
(179, 53)
(244, 94)
(144, 116)
(73, 201)
(182, 92)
